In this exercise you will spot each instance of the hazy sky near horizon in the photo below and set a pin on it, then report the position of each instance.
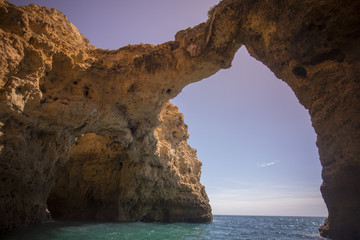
(255, 140)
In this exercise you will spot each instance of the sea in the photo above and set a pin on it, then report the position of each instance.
(222, 227)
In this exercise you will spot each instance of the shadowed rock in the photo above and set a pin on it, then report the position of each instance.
(110, 110)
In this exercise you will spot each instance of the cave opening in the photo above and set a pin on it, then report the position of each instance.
(88, 185)
(255, 140)
(325, 68)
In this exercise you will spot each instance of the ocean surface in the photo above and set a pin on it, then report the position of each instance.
(223, 227)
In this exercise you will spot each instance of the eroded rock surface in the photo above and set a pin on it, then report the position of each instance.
(59, 94)
(101, 181)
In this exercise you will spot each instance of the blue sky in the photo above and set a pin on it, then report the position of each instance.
(255, 140)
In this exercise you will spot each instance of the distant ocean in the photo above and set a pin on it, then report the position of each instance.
(223, 227)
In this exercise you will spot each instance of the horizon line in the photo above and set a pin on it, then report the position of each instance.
(249, 215)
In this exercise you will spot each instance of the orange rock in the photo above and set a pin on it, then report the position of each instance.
(129, 159)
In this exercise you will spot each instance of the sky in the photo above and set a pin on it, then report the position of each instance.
(253, 137)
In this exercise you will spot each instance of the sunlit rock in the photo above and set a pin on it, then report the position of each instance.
(129, 159)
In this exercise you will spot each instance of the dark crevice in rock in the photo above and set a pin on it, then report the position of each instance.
(299, 72)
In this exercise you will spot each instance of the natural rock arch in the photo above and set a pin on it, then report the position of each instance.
(247, 125)
(55, 87)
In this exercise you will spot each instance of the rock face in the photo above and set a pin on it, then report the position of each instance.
(313, 46)
(101, 181)
(90, 133)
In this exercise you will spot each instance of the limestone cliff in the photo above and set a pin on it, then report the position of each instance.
(101, 181)
(110, 110)
(60, 95)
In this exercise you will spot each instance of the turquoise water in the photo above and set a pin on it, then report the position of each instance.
(223, 227)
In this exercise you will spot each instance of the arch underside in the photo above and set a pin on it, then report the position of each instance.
(66, 105)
